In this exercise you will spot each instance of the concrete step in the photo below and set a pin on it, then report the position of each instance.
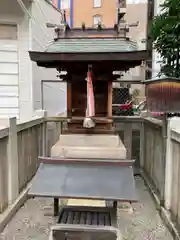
(84, 140)
(88, 152)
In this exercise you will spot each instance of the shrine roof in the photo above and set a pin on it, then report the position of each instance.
(89, 45)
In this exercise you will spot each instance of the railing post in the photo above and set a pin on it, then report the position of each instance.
(44, 135)
(142, 144)
(168, 168)
(128, 139)
(164, 156)
(43, 114)
(13, 163)
(58, 129)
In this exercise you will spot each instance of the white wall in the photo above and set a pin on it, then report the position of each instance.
(14, 14)
(9, 77)
(32, 35)
(43, 12)
(25, 70)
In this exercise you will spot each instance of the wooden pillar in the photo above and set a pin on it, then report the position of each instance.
(109, 103)
(69, 99)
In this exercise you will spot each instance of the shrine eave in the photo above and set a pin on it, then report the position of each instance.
(55, 59)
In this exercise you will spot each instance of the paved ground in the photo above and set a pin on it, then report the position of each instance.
(143, 223)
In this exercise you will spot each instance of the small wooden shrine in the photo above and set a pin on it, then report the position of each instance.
(87, 166)
(101, 51)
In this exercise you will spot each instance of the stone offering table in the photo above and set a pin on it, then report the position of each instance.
(108, 180)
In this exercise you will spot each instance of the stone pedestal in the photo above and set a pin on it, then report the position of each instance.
(89, 146)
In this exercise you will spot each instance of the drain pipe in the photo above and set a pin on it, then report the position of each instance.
(24, 8)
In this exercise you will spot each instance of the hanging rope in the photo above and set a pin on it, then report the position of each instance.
(90, 110)
(90, 96)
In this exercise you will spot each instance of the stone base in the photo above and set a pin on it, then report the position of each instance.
(89, 146)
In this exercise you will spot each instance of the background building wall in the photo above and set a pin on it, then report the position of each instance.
(84, 11)
(20, 78)
(78, 11)
(136, 11)
(43, 12)
(68, 6)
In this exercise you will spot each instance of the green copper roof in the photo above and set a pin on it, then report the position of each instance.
(92, 45)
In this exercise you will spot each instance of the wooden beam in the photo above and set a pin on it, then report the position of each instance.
(89, 32)
(46, 57)
(79, 66)
(97, 76)
(127, 119)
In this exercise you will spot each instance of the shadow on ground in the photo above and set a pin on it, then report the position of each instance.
(143, 223)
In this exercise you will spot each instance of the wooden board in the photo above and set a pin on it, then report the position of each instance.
(99, 216)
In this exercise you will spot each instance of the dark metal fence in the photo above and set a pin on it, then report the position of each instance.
(120, 95)
(126, 98)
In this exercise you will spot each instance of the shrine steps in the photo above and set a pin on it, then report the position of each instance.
(89, 146)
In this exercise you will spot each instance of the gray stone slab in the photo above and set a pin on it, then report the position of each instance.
(84, 181)
(83, 232)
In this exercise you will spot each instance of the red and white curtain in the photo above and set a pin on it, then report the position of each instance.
(90, 96)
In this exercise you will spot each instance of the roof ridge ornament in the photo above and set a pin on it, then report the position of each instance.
(99, 26)
(83, 26)
(57, 31)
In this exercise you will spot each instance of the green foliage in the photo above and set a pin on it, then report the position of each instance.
(165, 33)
